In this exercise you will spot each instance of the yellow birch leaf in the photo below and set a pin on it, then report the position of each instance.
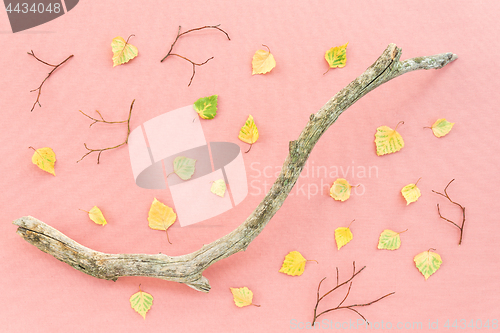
(389, 240)
(242, 296)
(263, 62)
(95, 215)
(218, 187)
(388, 140)
(160, 216)
(411, 193)
(123, 51)
(249, 132)
(293, 264)
(336, 56)
(44, 158)
(340, 189)
(141, 302)
(428, 263)
(343, 236)
(441, 127)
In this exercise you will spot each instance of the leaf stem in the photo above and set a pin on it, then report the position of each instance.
(48, 75)
(401, 122)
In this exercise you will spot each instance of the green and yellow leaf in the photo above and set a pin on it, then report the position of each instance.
(340, 189)
(122, 51)
(411, 193)
(218, 187)
(336, 56)
(242, 296)
(206, 107)
(293, 264)
(387, 140)
(44, 158)
(262, 62)
(428, 263)
(249, 132)
(389, 240)
(184, 167)
(141, 302)
(441, 127)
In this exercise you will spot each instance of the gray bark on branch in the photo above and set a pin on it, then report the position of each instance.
(188, 268)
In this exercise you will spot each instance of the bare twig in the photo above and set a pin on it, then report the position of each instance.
(338, 307)
(48, 75)
(90, 150)
(189, 268)
(461, 228)
(179, 34)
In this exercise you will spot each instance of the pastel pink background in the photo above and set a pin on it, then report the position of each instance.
(42, 294)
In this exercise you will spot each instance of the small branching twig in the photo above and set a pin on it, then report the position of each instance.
(179, 34)
(48, 75)
(340, 306)
(102, 120)
(461, 228)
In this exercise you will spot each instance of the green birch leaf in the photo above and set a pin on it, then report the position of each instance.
(389, 240)
(141, 302)
(206, 107)
(441, 127)
(428, 263)
(184, 167)
(336, 56)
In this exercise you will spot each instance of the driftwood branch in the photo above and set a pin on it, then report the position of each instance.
(188, 268)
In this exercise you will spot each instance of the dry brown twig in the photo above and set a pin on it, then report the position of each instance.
(102, 120)
(189, 268)
(340, 306)
(461, 228)
(48, 75)
(179, 34)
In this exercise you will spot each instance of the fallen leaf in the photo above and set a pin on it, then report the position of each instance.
(389, 240)
(388, 140)
(263, 62)
(428, 263)
(242, 296)
(249, 132)
(184, 167)
(411, 193)
(206, 107)
(218, 187)
(441, 127)
(96, 215)
(343, 235)
(160, 216)
(44, 158)
(141, 302)
(340, 189)
(336, 56)
(123, 51)
(294, 264)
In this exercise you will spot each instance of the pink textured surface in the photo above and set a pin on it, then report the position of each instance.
(42, 294)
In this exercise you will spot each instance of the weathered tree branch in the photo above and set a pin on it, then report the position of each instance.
(188, 268)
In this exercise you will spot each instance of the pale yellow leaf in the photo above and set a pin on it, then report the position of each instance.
(387, 140)
(44, 158)
(340, 189)
(441, 127)
(294, 264)
(389, 240)
(262, 62)
(218, 187)
(242, 296)
(428, 263)
(96, 215)
(141, 302)
(342, 236)
(122, 51)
